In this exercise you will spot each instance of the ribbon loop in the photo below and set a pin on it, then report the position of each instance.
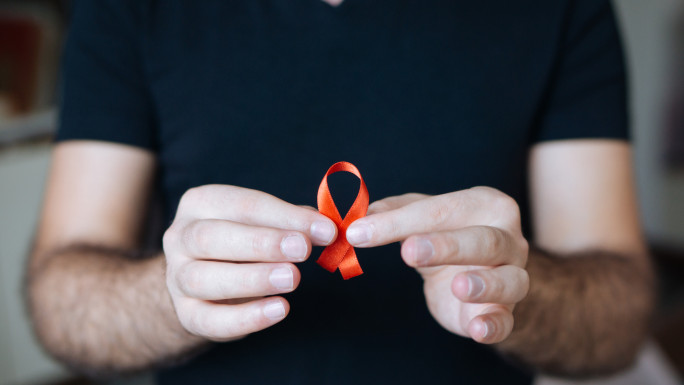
(340, 254)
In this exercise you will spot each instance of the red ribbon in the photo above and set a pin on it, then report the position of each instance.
(340, 254)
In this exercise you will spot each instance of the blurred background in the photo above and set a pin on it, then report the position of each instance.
(31, 35)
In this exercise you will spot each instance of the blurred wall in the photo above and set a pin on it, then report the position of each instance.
(21, 361)
(648, 29)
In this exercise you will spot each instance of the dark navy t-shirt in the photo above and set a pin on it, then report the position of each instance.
(427, 96)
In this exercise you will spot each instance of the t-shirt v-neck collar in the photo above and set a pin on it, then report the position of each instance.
(341, 5)
(333, 3)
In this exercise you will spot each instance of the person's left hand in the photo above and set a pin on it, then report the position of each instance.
(467, 246)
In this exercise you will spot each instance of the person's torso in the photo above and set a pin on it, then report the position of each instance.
(423, 96)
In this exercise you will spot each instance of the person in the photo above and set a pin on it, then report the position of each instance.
(233, 111)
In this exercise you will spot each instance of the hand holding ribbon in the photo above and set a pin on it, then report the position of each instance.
(469, 248)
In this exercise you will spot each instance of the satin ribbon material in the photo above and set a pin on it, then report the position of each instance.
(340, 254)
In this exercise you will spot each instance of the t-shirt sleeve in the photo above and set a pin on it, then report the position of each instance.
(103, 91)
(586, 96)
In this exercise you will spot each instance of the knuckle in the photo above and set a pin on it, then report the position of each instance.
(499, 201)
(192, 196)
(197, 237)
(190, 280)
(439, 211)
(170, 238)
(492, 241)
(263, 245)
(394, 227)
(505, 202)
(445, 246)
(496, 288)
(249, 202)
(252, 319)
(300, 223)
(507, 207)
(240, 283)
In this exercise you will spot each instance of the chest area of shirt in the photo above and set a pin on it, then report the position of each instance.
(376, 75)
(388, 53)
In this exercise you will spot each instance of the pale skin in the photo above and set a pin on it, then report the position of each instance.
(230, 251)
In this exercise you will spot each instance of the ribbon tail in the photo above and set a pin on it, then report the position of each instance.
(333, 255)
(349, 266)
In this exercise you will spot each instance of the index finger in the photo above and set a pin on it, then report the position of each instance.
(256, 208)
(472, 207)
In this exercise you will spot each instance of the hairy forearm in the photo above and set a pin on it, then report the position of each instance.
(101, 312)
(585, 314)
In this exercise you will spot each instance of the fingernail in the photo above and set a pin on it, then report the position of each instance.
(294, 247)
(424, 251)
(323, 232)
(488, 329)
(359, 233)
(475, 286)
(282, 278)
(274, 310)
(483, 329)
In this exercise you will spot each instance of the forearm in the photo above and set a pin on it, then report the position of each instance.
(101, 312)
(584, 315)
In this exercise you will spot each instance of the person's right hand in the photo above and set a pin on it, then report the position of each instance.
(228, 250)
